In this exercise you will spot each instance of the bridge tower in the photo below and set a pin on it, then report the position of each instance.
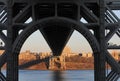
(57, 63)
(56, 20)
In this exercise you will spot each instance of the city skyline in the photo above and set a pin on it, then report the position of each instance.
(40, 45)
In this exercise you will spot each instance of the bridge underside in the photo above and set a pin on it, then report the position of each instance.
(56, 20)
(56, 35)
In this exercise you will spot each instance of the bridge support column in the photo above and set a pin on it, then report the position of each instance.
(60, 60)
(100, 35)
(12, 59)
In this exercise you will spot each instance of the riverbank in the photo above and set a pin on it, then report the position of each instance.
(69, 66)
(76, 63)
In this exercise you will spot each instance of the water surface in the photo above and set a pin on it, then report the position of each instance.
(70, 75)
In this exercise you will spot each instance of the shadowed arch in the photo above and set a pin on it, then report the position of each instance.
(43, 22)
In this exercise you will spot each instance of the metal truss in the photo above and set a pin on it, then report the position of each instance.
(14, 14)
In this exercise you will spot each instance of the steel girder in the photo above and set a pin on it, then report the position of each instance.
(24, 9)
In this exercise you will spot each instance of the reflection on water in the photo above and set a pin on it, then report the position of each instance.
(69, 75)
(58, 76)
(45, 75)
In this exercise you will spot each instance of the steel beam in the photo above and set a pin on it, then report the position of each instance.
(99, 58)
(3, 59)
(2, 77)
(95, 22)
(12, 59)
(88, 15)
(113, 47)
(3, 37)
(111, 33)
(23, 15)
(86, 1)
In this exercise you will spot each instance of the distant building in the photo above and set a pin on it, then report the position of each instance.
(67, 52)
(27, 56)
(60, 60)
(57, 63)
(44, 55)
(87, 55)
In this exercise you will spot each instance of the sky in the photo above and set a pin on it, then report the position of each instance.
(37, 43)
(77, 43)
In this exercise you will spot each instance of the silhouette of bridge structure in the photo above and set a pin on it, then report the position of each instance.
(34, 62)
(56, 20)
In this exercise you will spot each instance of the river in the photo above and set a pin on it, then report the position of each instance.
(70, 75)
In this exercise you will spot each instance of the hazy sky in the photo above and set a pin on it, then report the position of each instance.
(37, 43)
(77, 42)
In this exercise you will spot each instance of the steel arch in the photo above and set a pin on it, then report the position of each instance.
(41, 23)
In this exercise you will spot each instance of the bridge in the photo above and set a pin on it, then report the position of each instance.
(56, 20)
(34, 62)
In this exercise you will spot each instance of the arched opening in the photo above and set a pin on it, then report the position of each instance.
(70, 23)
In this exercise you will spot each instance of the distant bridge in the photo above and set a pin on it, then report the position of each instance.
(34, 62)
(56, 20)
